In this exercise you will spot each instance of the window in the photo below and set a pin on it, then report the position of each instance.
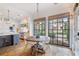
(58, 29)
(39, 27)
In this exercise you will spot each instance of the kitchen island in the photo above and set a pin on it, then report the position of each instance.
(8, 39)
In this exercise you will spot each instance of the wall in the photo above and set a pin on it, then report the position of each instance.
(4, 25)
(72, 43)
(76, 31)
(30, 24)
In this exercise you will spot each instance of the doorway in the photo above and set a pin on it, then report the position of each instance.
(58, 31)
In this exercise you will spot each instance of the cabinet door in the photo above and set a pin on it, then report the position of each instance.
(8, 40)
(1, 42)
(16, 39)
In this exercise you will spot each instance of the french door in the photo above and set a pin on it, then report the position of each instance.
(40, 27)
(58, 31)
(58, 28)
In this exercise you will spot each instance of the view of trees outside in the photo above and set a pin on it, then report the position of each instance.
(57, 30)
(39, 28)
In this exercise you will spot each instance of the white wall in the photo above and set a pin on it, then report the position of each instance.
(76, 30)
(30, 24)
(4, 26)
(72, 43)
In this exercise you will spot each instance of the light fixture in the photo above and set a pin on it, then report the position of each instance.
(8, 14)
(37, 9)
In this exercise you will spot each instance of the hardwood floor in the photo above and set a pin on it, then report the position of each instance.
(16, 50)
(21, 49)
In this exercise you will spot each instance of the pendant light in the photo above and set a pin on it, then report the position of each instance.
(37, 9)
(8, 15)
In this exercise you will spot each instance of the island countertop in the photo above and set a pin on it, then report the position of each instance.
(8, 33)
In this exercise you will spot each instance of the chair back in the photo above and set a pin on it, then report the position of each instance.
(45, 39)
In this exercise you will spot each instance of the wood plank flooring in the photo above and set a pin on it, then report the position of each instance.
(21, 49)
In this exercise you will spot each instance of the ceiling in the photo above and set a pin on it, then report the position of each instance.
(19, 10)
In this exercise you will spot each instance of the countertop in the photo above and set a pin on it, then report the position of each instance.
(8, 33)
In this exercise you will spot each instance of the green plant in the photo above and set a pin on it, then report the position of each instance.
(52, 34)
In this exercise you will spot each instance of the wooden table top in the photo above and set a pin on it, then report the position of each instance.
(33, 39)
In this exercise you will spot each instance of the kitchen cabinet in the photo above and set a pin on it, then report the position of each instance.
(1, 42)
(8, 40)
(15, 39)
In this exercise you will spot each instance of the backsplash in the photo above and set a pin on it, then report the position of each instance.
(4, 26)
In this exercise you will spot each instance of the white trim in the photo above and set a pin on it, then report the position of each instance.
(46, 26)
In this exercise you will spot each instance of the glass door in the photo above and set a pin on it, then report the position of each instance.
(58, 31)
(52, 30)
(40, 27)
